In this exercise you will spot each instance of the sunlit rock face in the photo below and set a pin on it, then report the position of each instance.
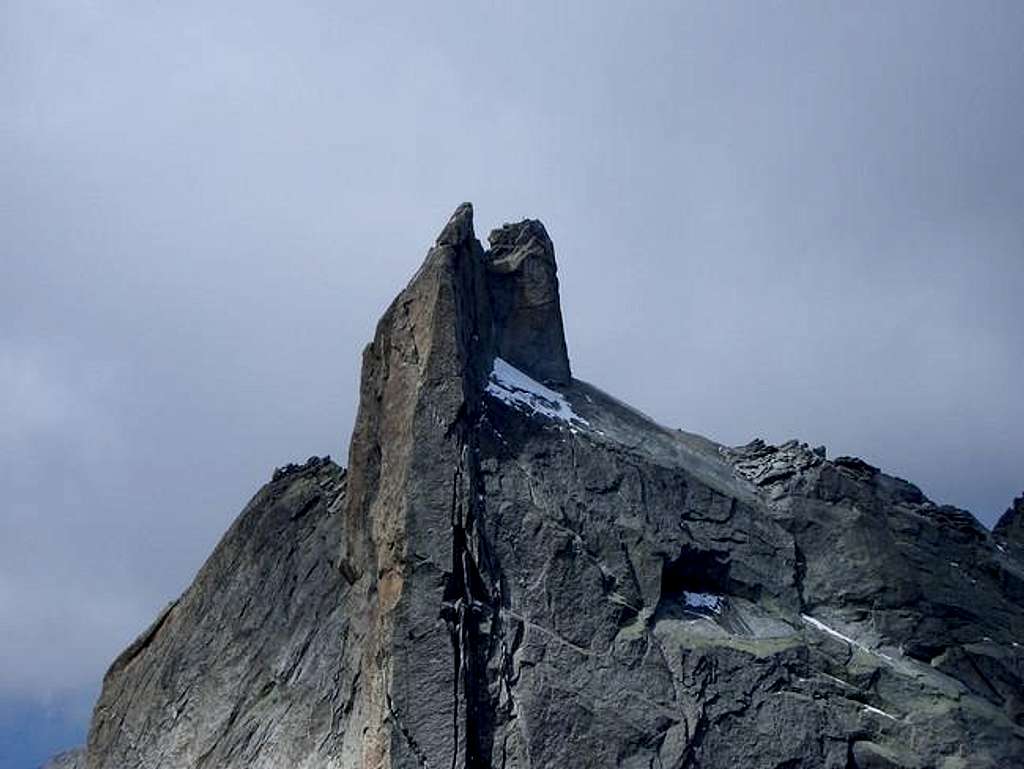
(253, 665)
(518, 570)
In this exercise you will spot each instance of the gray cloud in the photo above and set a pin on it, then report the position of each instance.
(804, 221)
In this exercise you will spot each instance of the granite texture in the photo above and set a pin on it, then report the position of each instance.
(518, 571)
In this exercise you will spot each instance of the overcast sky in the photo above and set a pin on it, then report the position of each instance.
(777, 220)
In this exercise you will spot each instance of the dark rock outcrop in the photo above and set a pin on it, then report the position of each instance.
(524, 294)
(531, 574)
(1009, 530)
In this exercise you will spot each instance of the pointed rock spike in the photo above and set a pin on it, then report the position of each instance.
(523, 284)
(459, 229)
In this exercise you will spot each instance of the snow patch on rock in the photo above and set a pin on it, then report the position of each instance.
(514, 388)
(708, 601)
(877, 712)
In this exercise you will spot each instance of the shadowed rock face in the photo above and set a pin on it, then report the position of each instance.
(518, 570)
(524, 296)
(1010, 528)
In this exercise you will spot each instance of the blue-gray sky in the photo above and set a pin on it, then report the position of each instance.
(772, 219)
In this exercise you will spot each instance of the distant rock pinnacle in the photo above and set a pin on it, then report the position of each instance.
(1010, 528)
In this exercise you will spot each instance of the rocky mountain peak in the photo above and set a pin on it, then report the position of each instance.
(532, 574)
(504, 300)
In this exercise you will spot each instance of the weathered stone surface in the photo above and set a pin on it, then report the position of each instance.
(407, 501)
(251, 667)
(533, 574)
(1009, 530)
(71, 759)
(523, 284)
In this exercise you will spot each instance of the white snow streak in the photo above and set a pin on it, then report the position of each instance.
(878, 712)
(836, 634)
(511, 386)
(832, 632)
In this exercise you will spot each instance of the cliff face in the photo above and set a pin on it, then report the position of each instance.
(252, 666)
(1009, 530)
(520, 571)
